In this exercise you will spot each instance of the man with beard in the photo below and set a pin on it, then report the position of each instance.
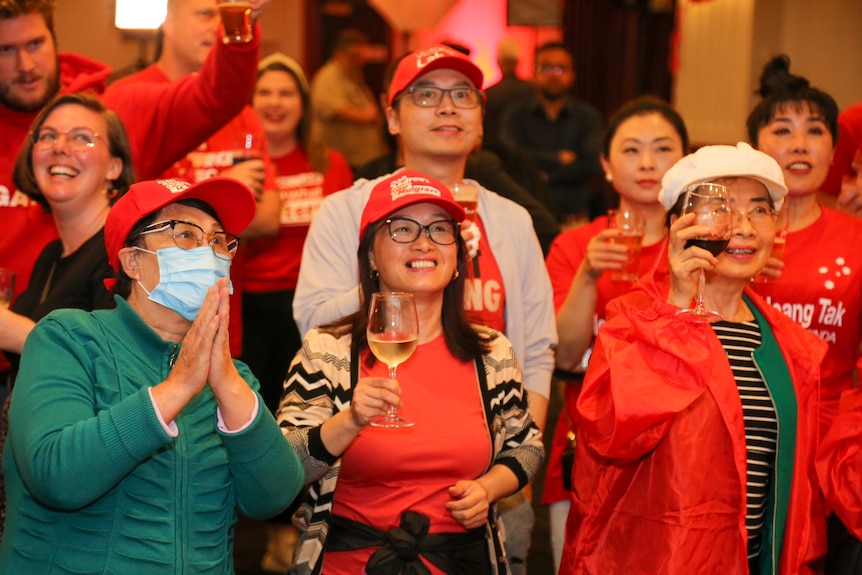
(562, 134)
(32, 72)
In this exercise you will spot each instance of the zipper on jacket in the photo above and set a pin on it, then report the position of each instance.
(174, 353)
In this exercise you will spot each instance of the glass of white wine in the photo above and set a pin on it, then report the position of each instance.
(7, 286)
(393, 331)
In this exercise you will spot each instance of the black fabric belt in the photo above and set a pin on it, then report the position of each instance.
(400, 547)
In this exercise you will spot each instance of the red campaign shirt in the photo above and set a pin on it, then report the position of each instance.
(484, 291)
(413, 468)
(272, 264)
(821, 289)
(564, 258)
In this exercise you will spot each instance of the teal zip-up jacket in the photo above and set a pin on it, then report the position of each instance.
(94, 482)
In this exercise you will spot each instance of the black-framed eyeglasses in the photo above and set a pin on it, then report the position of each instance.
(189, 236)
(78, 139)
(432, 96)
(407, 231)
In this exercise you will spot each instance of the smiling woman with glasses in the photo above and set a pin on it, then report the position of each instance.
(62, 168)
(473, 441)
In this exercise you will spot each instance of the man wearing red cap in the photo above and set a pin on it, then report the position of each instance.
(436, 106)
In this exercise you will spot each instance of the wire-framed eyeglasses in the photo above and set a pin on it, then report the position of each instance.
(432, 96)
(758, 216)
(77, 139)
(407, 231)
(189, 236)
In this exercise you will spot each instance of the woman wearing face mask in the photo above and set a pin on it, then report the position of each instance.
(134, 435)
(819, 284)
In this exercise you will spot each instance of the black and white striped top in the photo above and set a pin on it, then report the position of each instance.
(761, 427)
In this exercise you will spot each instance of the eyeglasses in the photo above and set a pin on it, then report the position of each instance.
(759, 216)
(407, 231)
(431, 96)
(78, 139)
(189, 236)
(555, 70)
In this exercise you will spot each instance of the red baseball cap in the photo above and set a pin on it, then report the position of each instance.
(437, 57)
(403, 189)
(232, 201)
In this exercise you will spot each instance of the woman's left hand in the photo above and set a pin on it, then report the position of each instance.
(221, 367)
(470, 503)
(234, 397)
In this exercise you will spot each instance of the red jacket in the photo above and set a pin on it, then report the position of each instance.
(839, 462)
(660, 470)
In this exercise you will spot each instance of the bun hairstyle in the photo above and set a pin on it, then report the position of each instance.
(779, 89)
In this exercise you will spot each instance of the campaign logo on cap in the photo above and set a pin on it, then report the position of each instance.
(404, 189)
(232, 201)
(406, 185)
(437, 57)
(174, 186)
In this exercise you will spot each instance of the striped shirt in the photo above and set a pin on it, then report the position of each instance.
(739, 341)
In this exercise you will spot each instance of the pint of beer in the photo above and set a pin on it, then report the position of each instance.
(236, 19)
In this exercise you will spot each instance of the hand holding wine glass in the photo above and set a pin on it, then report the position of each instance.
(393, 331)
(711, 205)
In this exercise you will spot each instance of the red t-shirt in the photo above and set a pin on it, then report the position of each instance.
(484, 291)
(388, 471)
(821, 289)
(564, 258)
(272, 264)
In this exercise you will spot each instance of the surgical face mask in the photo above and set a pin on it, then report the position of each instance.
(185, 277)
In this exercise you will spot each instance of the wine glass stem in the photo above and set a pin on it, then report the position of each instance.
(393, 413)
(701, 284)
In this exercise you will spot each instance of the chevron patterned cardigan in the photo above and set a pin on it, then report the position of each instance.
(320, 384)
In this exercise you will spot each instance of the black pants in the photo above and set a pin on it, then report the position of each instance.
(844, 556)
(270, 339)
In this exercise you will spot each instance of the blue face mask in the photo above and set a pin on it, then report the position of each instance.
(185, 277)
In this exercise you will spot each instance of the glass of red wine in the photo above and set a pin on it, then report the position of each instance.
(711, 204)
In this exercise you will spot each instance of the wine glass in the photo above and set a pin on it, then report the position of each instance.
(711, 203)
(393, 330)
